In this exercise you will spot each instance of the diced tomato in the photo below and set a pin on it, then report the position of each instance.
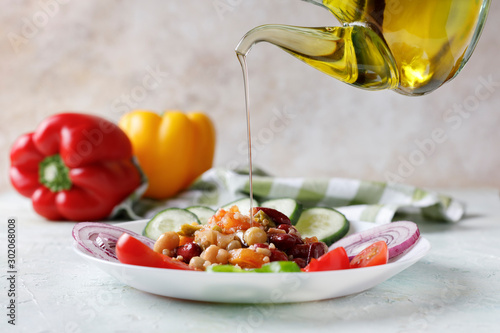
(230, 221)
(231, 224)
(132, 251)
(183, 240)
(333, 260)
(373, 255)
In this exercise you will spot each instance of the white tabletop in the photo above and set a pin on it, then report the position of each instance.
(456, 287)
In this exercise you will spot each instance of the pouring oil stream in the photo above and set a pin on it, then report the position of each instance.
(243, 63)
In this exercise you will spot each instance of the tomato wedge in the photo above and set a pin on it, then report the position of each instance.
(132, 251)
(373, 255)
(333, 260)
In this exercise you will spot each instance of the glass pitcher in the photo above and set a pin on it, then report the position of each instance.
(410, 46)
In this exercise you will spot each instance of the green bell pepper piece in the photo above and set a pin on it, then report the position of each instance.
(272, 267)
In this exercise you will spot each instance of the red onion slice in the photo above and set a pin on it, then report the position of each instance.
(399, 236)
(99, 239)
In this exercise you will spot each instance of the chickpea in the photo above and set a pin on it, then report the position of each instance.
(215, 255)
(234, 244)
(167, 241)
(210, 253)
(255, 235)
(222, 257)
(197, 263)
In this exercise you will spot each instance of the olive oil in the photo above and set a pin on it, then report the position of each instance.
(411, 46)
(243, 63)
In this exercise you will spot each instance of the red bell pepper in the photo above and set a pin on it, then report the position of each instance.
(132, 251)
(333, 260)
(75, 167)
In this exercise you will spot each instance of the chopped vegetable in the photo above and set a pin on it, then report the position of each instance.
(230, 221)
(276, 216)
(99, 239)
(172, 149)
(333, 260)
(327, 224)
(202, 212)
(170, 219)
(247, 258)
(399, 237)
(272, 267)
(132, 251)
(374, 255)
(74, 167)
(287, 206)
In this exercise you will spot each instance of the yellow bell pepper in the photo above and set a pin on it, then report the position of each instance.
(172, 149)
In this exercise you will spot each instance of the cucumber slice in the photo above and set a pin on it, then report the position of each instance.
(325, 223)
(169, 219)
(203, 213)
(242, 204)
(287, 206)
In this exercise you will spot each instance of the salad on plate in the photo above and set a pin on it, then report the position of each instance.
(282, 239)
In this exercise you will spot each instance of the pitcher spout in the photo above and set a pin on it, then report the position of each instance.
(332, 50)
(307, 41)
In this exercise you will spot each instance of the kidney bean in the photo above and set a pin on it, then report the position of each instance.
(300, 262)
(298, 239)
(276, 216)
(300, 251)
(285, 227)
(277, 255)
(188, 251)
(316, 250)
(294, 231)
(283, 241)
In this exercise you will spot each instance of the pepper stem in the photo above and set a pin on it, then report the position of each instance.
(54, 174)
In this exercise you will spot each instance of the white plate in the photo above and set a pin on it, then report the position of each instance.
(256, 287)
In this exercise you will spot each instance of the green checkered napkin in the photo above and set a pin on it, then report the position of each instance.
(357, 200)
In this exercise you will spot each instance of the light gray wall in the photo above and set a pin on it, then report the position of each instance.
(88, 55)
